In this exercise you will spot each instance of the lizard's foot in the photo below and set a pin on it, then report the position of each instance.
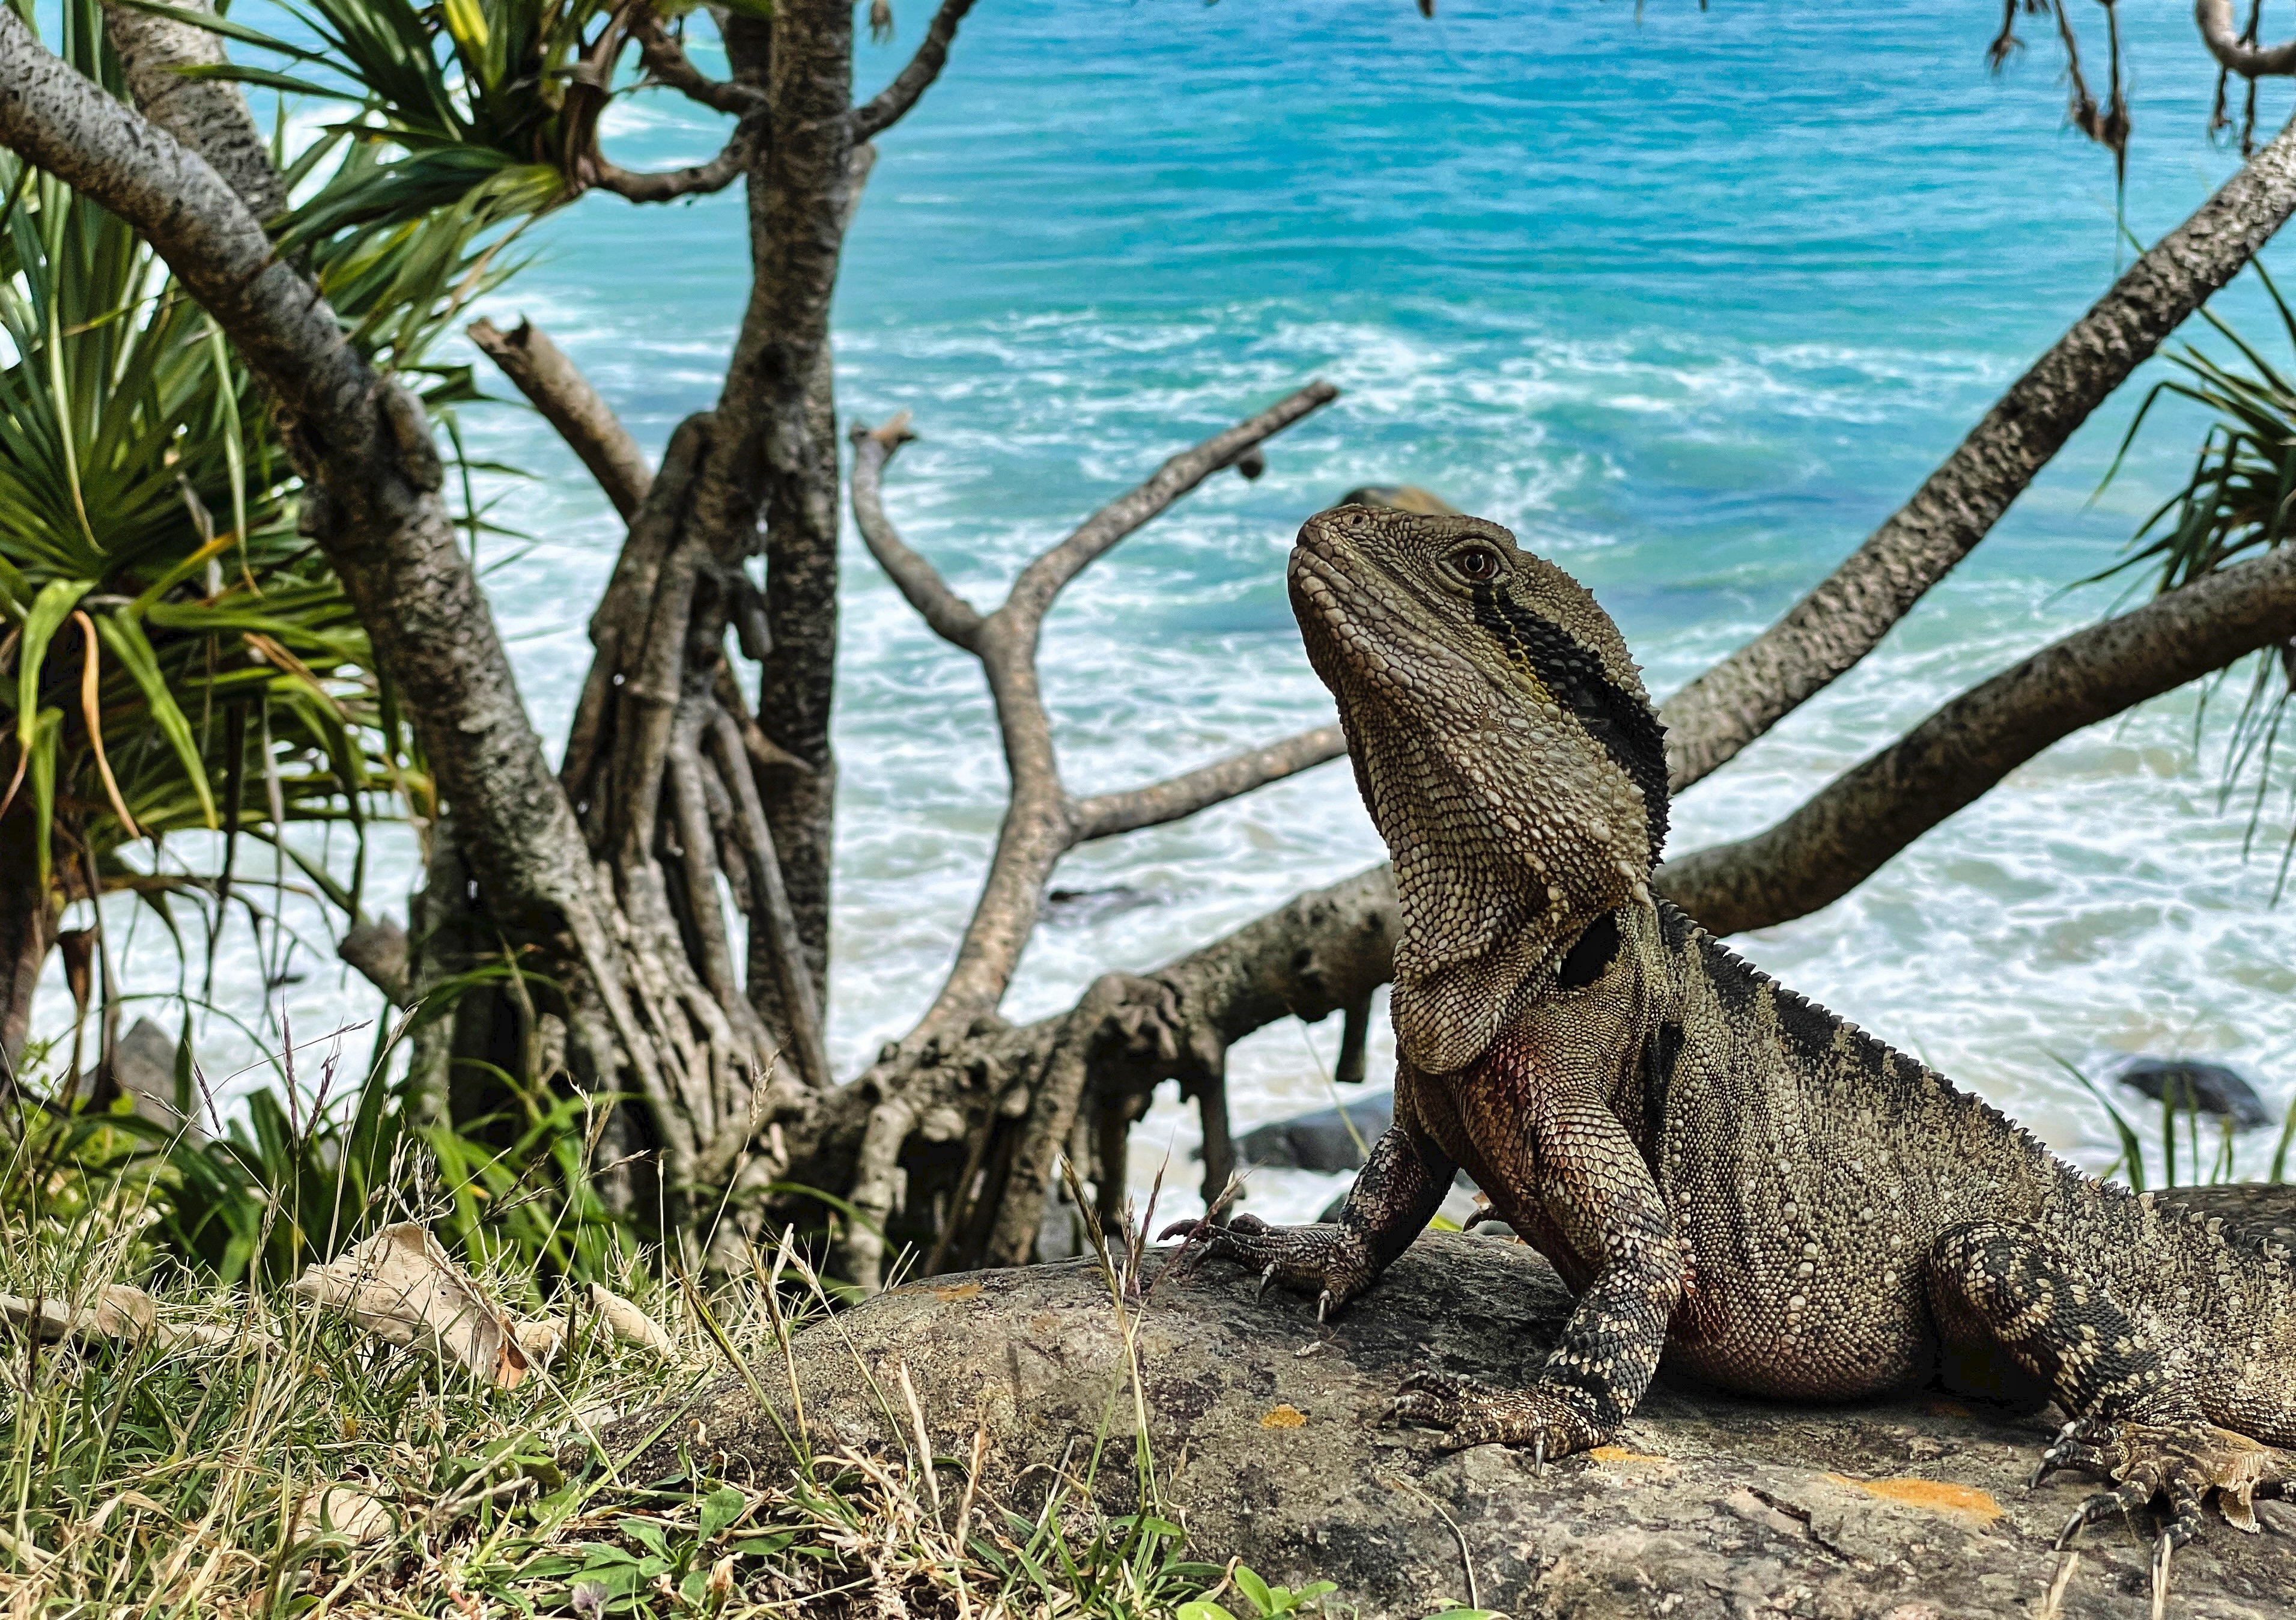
(1330, 1261)
(1472, 1413)
(2181, 1462)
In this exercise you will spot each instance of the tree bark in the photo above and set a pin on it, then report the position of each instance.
(1843, 835)
(28, 915)
(779, 413)
(1846, 616)
(208, 115)
(568, 402)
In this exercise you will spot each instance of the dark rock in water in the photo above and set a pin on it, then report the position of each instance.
(2209, 1087)
(1320, 1140)
(1082, 908)
(1707, 1506)
(1401, 497)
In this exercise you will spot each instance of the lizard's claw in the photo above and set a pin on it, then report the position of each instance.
(2075, 1448)
(1332, 1262)
(1473, 1413)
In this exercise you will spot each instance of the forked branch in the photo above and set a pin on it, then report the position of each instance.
(667, 65)
(1043, 821)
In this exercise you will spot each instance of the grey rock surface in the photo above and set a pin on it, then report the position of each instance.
(144, 1065)
(1265, 1433)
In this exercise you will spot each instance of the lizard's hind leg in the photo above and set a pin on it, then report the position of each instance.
(2134, 1426)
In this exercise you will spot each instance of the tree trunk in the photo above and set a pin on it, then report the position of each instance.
(28, 915)
(780, 403)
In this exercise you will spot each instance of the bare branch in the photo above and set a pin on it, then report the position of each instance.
(771, 902)
(1043, 578)
(568, 402)
(1843, 619)
(1106, 814)
(1843, 834)
(882, 110)
(667, 65)
(2230, 45)
(669, 185)
(1042, 822)
(951, 616)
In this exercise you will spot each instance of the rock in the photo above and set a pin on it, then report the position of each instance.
(1320, 1140)
(1400, 498)
(2211, 1086)
(1263, 1434)
(1086, 908)
(144, 1066)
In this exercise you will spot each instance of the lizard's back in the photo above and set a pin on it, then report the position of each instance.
(1812, 1169)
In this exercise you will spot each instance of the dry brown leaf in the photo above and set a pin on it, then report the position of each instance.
(117, 1313)
(400, 1285)
(541, 1337)
(631, 1325)
(345, 1511)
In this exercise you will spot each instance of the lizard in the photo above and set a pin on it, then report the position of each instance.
(1721, 1170)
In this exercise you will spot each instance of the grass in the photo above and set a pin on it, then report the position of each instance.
(188, 1480)
(2181, 1161)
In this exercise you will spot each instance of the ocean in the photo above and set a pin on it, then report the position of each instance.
(1691, 299)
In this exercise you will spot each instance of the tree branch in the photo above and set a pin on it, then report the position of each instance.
(208, 115)
(568, 402)
(1041, 822)
(1032, 594)
(950, 615)
(667, 64)
(2229, 45)
(1844, 833)
(882, 110)
(1847, 615)
(669, 185)
(1107, 814)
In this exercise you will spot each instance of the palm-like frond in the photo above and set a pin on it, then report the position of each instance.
(2239, 498)
(148, 540)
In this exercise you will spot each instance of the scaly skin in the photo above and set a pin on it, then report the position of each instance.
(1721, 1171)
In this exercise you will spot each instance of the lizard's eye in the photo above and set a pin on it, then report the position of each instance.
(1479, 564)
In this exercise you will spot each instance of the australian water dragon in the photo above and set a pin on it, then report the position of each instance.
(1721, 1169)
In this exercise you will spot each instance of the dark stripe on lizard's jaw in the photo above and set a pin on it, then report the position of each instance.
(1614, 717)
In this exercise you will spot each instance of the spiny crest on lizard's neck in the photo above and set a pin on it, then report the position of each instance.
(1504, 744)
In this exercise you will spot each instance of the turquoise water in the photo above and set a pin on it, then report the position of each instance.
(1691, 302)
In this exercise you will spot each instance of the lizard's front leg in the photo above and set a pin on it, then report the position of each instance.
(1394, 1197)
(1584, 1173)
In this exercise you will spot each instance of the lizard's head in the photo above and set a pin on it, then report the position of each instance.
(1504, 744)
